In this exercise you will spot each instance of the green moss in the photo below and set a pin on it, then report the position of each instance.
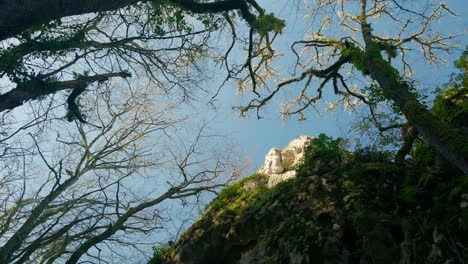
(226, 196)
(231, 203)
(235, 201)
(373, 52)
(390, 48)
(269, 23)
(233, 196)
(357, 58)
(269, 195)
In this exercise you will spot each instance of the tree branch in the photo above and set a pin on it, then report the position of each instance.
(18, 16)
(35, 89)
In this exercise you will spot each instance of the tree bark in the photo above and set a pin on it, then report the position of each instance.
(447, 141)
(410, 134)
(17, 16)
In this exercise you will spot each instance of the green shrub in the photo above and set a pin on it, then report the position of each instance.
(320, 153)
(370, 155)
(158, 253)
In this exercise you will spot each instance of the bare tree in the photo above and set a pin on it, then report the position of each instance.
(347, 44)
(72, 191)
(81, 192)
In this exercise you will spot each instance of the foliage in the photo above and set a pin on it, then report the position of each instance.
(161, 41)
(411, 194)
(39, 47)
(369, 154)
(165, 13)
(321, 154)
(374, 93)
(269, 23)
(458, 80)
(230, 197)
(450, 105)
(422, 155)
(436, 183)
(159, 252)
(167, 43)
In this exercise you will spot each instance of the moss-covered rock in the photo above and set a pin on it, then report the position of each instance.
(363, 209)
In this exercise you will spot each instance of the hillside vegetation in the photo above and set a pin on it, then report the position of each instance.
(342, 207)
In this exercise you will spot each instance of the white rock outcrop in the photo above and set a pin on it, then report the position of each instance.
(273, 162)
(279, 164)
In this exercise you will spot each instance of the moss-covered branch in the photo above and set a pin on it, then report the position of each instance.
(36, 88)
(18, 16)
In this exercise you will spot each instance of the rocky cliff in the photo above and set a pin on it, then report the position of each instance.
(313, 202)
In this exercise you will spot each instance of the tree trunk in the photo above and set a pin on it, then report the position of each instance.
(447, 141)
(17, 239)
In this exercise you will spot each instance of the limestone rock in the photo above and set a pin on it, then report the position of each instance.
(279, 164)
(273, 162)
(274, 179)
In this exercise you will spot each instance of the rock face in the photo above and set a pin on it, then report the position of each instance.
(279, 164)
(273, 162)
